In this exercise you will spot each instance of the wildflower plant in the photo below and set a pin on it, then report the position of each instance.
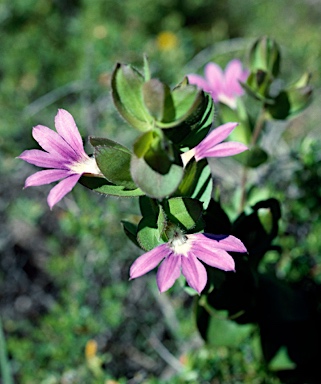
(183, 228)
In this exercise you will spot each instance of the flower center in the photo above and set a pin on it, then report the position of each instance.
(228, 100)
(186, 156)
(180, 244)
(88, 165)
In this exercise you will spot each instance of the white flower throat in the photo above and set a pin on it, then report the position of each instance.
(180, 244)
(86, 166)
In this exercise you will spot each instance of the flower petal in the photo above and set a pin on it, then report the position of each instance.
(200, 82)
(42, 159)
(194, 272)
(227, 242)
(215, 78)
(229, 148)
(149, 261)
(46, 177)
(61, 189)
(214, 257)
(216, 136)
(53, 143)
(233, 74)
(67, 128)
(168, 272)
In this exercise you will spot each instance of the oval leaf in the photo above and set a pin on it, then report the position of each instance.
(100, 141)
(188, 104)
(153, 183)
(127, 94)
(183, 211)
(114, 163)
(158, 100)
(148, 235)
(197, 182)
(104, 187)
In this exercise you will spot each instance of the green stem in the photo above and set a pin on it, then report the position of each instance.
(255, 137)
(212, 312)
(258, 127)
(4, 362)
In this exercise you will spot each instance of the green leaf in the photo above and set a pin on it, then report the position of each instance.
(114, 164)
(300, 94)
(143, 143)
(148, 207)
(257, 86)
(148, 234)
(224, 332)
(188, 103)
(104, 187)
(266, 219)
(161, 222)
(183, 211)
(185, 100)
(113, 159)
(280, 109)
(281, 361)
(156, 150)
(193, 130)
(127, 84)
(299, 98)
(130, 230)
(201, 127)
(155, 184)
(207, 118)
(216, 329)
(99, 141)
(242, 133)
(197, 182)
(158, 100)
(258, 229)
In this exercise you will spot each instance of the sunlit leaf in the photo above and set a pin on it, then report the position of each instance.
(114, 164)
(183, 211)
(197, 182)
(188, 102)
(127, 84)
(104, 187)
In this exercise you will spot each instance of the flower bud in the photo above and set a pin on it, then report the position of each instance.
(265, 56)
(300, 93)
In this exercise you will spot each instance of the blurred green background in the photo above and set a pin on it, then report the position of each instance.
(64, 287)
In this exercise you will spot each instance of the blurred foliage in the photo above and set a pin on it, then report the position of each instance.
(63, 274)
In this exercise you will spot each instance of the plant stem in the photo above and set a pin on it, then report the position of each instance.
(255, 137)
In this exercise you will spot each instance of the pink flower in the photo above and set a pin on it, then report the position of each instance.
(224, 87)
(182, 253)
(63, 153)
(212, 145)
